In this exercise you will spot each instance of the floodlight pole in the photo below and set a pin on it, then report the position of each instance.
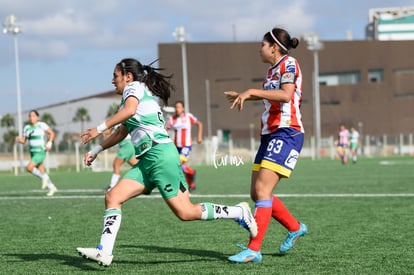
(11, 27)
(315, 45)
(181, 37)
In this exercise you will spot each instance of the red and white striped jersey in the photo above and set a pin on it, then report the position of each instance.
(343, 138)
(278, 114)
(182, 128)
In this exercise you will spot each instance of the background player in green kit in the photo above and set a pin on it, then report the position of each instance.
(35, 132)
(143, 89)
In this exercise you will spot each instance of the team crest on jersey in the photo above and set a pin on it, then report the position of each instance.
(288, 77)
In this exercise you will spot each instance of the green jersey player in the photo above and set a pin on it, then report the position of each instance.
(143, 89)
(35, 132)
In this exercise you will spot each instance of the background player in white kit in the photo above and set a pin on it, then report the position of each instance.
(35, 132)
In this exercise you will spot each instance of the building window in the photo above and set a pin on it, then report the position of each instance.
(335, 79)
(375, 76)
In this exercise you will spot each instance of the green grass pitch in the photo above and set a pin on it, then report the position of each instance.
(360, 219)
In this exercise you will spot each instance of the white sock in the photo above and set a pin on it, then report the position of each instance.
(112, 222)
(37, 173)
(50, 184)
(212, 211)
(114, 180)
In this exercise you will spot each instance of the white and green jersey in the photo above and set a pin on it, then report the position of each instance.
(147, 125)
(35, 134)
(354, 136)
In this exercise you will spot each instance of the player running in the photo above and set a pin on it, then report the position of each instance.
(143, 89)
(342, 144)
(35, 132)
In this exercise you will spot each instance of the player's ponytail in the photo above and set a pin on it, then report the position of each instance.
(157, 83)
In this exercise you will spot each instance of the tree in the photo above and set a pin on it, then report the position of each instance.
(9, 138)
(112, 110)
(81, 115)
(7, 121)
(50, 120)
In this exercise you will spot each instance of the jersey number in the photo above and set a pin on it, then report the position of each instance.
(275, 146)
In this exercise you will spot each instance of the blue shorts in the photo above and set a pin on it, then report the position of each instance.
(184, 152)
(279, 151)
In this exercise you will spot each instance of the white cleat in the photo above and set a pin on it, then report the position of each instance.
(45, 180)
(95, 254)
(52, 191)
(247, 220)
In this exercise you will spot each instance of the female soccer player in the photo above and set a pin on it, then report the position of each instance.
(35, 133)
(142, 89)
(282, 136)
(181, 122)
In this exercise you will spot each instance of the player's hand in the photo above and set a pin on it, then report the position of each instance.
(88, 135)
(231, 96)
(48, 146)
(237, 99)
(89, 158)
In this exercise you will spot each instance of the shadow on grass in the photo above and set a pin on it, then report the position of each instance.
(73, 261)
(174, 250)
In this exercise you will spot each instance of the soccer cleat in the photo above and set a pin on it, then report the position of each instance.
(52, 191)
(247, 255)
(247, 220)
(95, 254)
(45, 180)
(292, 237)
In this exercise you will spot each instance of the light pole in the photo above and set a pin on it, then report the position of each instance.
(181, 37)
(312, 39)
(10, 26)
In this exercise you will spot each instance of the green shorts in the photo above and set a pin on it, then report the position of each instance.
(353, 145)
(160, 168)
(126, 150)
(37, 157)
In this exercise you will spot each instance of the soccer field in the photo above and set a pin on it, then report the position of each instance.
(360, 220)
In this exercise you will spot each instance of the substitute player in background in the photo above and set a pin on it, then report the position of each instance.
(126, 153)
(354, 143)
(282, 135)
(35, 133)
(181, 122)
(342, 144)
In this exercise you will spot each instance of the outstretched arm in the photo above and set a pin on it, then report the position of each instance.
(283, 95)
(113, 139)
(130, 107)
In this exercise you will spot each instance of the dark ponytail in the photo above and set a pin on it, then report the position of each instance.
(157, 83)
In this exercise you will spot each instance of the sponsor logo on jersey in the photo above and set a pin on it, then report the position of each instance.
(292, 159)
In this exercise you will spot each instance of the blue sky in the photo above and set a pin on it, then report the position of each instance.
(68, 48)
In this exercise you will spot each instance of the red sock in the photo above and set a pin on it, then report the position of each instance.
(262, 216)
(187, 169)
(283, 216)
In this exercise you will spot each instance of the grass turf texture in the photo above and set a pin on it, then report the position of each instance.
(369, 234)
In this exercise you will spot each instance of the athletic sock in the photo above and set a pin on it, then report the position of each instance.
(112, 222)
(212, 211)
(114, 180)
(50, 184)
(37, 173)
(283, 216)
(262, 215)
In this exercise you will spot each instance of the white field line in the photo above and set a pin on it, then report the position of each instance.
(12, 195)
